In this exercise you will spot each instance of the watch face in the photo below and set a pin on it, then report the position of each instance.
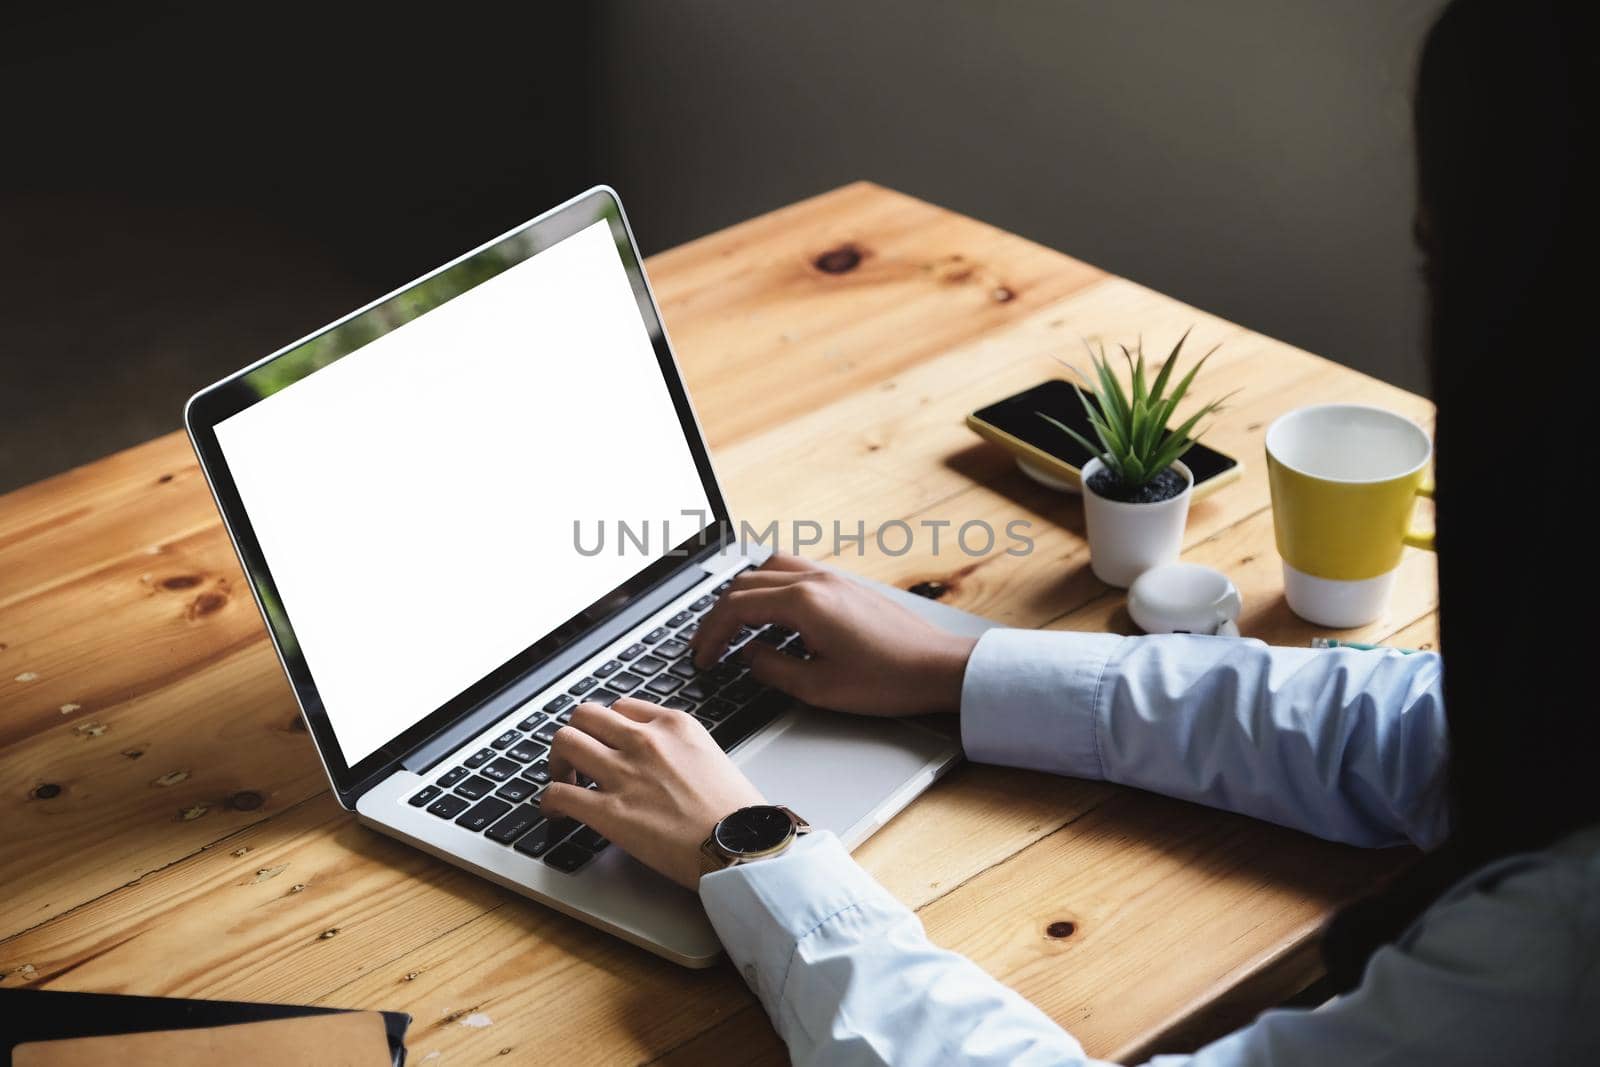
(754, 830)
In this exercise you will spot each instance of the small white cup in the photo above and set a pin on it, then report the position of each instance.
(1185, 598)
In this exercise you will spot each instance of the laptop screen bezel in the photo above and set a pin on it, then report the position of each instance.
(304, 357)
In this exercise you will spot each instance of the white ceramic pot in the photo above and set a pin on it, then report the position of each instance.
(1125, 540)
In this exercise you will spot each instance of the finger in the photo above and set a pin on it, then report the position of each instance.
(790, 674)
(563, 801)
(639, 710)
(599, 721)
(574, 750)
(767, 579)
(748, 580)
(746, 607)
(783, 561)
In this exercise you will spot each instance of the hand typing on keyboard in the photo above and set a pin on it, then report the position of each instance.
(868, 655)
(661, 782)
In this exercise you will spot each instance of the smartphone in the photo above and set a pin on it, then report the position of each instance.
(1054, 458)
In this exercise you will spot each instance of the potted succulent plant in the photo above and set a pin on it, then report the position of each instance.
(1135, 489)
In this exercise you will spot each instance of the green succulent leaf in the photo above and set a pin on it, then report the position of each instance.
(1074, 434)
(1131, 424)
(1166, 368)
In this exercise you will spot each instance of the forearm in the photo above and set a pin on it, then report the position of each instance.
(1346, 745)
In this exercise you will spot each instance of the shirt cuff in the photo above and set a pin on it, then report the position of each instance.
(763, 910)
(1031, 698)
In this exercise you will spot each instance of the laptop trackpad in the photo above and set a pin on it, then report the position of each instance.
(838, 770)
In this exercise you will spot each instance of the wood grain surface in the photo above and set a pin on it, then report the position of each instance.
(167, 828)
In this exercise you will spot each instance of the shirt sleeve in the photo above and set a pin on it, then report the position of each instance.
(1500, 971)
(848, 977)
(1345, 744)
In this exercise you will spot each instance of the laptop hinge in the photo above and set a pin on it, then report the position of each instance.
(452, 737)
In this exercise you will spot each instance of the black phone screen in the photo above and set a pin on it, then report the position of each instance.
(1019, 416)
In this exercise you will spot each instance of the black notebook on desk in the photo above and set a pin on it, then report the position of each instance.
(47, 1015)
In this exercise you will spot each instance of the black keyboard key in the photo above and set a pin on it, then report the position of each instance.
(796, 647)
(677, 704)
(506, 740)
(737, 727)
(448, 806)
(538, 772)
(703, 603)
(605, 697)
(608, 668)
(589, 838)
(704, 721)
(664, 684)
(500, 769)
(452, 776)
(654, 635)
(648, 665)
(482, 814)
(688, 632)
(725, 674)
(566, 716)
(624, 682)
(475, 787)
(684, 668)
(532, 722)
(546, 734)
(671, 649)
(561, 701)
(428, 793)
(526, 752)
(742, 692)
(739, 640)
(679, 619)
(536, 842)
(697, 690)
(514, 825)
(774, 636)
(517, 790)
(568, 857)
(479, 758)
(563, 828)
(633, 651)
(718, 709)
(582, 686)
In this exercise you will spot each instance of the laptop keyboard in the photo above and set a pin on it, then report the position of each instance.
(493, 789)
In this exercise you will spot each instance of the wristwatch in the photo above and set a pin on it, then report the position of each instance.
(752, 833)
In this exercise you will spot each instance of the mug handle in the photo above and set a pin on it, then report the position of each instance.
(1422, 538)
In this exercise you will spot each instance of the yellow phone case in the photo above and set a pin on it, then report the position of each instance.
(1058, 468)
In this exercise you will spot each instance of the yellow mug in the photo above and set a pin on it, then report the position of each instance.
(1344, 479)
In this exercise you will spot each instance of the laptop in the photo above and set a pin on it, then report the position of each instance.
(484, 498)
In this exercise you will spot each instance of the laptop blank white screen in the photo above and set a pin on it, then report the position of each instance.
(415, 500)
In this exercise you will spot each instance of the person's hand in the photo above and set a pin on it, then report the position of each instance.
(663, 784)
(869, 655)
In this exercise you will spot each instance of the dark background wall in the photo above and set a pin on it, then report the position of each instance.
(188, 188)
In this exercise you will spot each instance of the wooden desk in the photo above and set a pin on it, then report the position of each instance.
(167, 828)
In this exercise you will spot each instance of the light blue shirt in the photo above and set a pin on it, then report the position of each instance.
(1347, 745)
